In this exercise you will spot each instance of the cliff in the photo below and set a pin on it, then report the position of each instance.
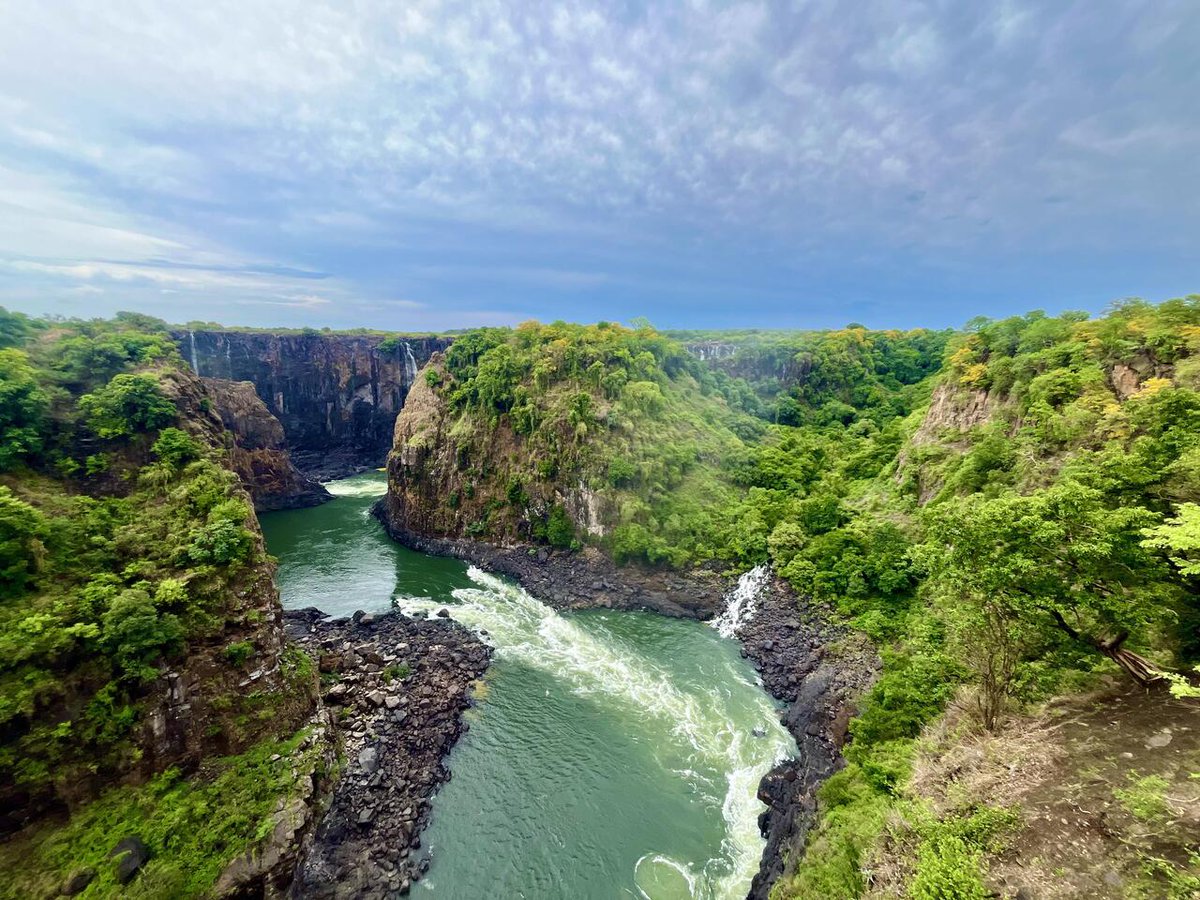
(336, 396)
(259, 452)
(128, 714)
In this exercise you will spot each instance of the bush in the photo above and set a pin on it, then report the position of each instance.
(22, 529)
(176, 447)
(947, 869)
(127, 405)
(238, 652)
(23, 407)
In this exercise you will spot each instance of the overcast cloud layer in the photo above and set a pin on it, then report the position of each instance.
(429, 165)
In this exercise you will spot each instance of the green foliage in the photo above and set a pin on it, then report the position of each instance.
(238, 652)
(127, 405)
(23, 408)
(1145, 798)
(135, 633)
(947, 869)
(397, 672)
(22, 530)
(176, 447)
(559, 530)
(193, 827)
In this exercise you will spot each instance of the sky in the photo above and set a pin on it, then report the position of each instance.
(427, 165)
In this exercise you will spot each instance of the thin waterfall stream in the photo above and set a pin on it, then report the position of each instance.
(612, 754)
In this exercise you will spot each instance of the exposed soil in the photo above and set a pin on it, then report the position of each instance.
(1085, 777)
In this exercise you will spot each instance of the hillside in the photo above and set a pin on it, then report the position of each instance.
(568, 434)
(1007, 512)
(142, 636)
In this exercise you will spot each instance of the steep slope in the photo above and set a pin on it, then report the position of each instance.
(259, 453)
(142, 632)
(335, 394)
(567, 436)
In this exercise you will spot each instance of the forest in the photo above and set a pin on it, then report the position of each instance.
(1009, 512)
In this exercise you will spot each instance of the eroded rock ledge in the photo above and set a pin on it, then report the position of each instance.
(584, 579)
(398, 687)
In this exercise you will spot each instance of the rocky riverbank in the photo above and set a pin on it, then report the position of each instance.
(397, 688)
(806, 660)
(583, 579)
(818, 668)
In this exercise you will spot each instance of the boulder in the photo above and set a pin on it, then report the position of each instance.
(78, 882)
(132, 854)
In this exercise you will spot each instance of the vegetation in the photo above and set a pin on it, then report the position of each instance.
(1035, 530)
(189, 845)
(126, 545)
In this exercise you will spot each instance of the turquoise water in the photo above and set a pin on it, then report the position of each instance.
(611, 754)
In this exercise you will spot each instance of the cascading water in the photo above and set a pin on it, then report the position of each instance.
(702, 738)
(614, 754)
(741, 603)
(195, 359)
(410, 364)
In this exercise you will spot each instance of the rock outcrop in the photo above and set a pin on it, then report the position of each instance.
(400, 686)
(336, 395)
(260, 452)
(791, 641)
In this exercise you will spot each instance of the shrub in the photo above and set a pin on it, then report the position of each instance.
(947, 869)
(176, 447)
(238, 652)
(127, 405)
(23, 407)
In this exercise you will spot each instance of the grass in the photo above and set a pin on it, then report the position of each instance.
(193, 826)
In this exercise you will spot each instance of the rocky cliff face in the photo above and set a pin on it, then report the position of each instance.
(336, 396)
(259, 451)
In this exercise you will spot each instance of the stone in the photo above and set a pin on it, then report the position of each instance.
(376, 698)
(368, 759)
(1160, 740)
(78, 882)
(391, 701)
(132, 854)
(443, 613)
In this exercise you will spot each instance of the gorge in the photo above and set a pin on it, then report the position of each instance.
(614, 616)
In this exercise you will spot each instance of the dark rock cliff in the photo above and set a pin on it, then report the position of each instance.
(335, 395)
(260, 453)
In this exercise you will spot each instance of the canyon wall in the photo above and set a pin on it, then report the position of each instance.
(259, 451)
(336, 396)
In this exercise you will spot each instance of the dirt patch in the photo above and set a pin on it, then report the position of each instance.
(1107, 787)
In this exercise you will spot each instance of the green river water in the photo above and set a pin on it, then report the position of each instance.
(612, 754)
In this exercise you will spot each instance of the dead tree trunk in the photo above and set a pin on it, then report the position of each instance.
(1136, 666)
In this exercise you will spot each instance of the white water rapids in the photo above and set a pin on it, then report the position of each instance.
(707, 730)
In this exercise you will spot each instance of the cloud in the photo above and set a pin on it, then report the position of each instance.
(417, 146)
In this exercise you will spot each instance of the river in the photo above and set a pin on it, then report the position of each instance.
(611, 755)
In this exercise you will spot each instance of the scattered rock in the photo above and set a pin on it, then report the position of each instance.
(78, 882)
(366, 841)
(1160, 740)
(132, 853)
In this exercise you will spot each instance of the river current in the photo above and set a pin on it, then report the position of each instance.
(611, 754)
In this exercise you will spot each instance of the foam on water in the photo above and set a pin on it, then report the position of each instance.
(741, 603)
(359, 486)
(699, 722)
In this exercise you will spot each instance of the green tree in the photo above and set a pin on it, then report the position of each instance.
(128, 404)
(23, 407)
(21, 531)
(1059, 558)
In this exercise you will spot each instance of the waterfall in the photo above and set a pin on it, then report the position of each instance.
(741, 603)
(195, 360)
(410, 364)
